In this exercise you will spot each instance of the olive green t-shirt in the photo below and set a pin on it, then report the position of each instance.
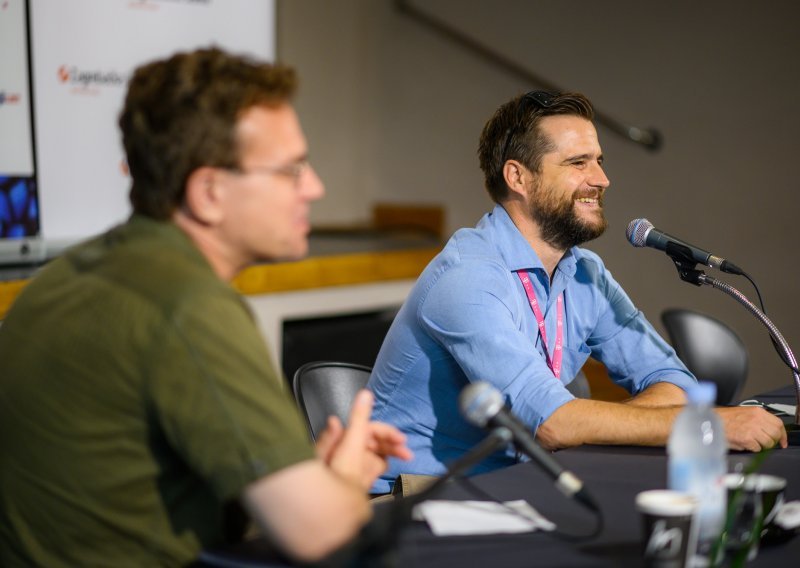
(137, 397)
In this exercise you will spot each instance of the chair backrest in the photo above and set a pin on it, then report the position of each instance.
(325, 388)
(579, 386)
(710, 350)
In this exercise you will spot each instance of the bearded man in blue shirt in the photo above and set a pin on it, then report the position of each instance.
(516, 302)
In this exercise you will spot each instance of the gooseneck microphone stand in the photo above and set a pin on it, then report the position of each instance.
(688, 272)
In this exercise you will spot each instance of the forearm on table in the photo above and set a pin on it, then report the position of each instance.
(659, 395)
(582, 421)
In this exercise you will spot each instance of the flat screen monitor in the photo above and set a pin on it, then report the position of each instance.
(19, 198)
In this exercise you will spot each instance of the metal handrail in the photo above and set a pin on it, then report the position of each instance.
(650, 138)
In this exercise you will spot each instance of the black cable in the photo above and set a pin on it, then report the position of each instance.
(758, 292)
(775, 345)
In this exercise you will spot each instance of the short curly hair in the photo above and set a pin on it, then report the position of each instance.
(181, 114)
(513, 134)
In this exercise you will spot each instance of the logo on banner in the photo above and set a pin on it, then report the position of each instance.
(89, 81)
(8, 98)
(154, 4)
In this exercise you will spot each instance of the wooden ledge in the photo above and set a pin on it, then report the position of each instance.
(313, 272)
(9, 290)
(335, 270)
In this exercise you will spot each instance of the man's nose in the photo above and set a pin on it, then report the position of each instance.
(312, 187)
(598, 177)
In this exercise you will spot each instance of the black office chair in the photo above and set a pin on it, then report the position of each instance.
(579, 386)
(710, 350)
(325, 388)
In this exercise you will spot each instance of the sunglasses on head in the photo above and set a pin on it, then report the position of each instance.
(532, 99)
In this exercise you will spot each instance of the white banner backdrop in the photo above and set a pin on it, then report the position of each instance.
(83, 53)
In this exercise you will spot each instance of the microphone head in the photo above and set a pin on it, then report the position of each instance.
(480, 402)
(637, 232)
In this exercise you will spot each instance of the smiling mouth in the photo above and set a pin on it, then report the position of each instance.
(589, 200)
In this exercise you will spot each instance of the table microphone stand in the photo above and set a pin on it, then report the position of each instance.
(688, 272)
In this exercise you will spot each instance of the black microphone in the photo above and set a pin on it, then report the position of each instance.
(482, 405)
(642, 233)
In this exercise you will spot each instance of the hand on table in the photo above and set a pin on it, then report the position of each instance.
(752, 428)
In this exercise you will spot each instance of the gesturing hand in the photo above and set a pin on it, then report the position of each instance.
(360, 452)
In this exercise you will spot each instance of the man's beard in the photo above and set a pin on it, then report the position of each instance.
(559, 223)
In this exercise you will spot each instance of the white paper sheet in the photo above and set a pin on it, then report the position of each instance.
(480, 517)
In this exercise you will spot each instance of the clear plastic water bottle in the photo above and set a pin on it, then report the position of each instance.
(697, 451)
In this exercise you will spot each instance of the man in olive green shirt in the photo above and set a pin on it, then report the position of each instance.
(137, 398)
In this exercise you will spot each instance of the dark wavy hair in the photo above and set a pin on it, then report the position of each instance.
(181, 114)
(513, 133)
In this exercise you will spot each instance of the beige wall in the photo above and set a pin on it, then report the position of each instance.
(393, 113)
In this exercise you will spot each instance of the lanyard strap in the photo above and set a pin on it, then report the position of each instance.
(555, 362)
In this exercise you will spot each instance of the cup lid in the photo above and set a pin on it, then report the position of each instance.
(665, 502)
(758, 482)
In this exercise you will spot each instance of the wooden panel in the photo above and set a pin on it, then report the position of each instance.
(601, 385)
(341, 270)
(394, 216)
(9, 290)
(314, 272)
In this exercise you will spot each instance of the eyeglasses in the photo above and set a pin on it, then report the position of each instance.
(294, 171)
(540, 99)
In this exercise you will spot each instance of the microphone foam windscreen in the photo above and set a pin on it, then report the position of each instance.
(637, 231)
(480, 402)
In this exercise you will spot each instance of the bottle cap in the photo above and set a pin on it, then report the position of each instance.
(703, 392)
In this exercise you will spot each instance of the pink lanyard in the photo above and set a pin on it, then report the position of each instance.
(555, 363)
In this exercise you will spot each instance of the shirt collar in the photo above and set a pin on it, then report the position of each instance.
(171, 234)
(515, 249)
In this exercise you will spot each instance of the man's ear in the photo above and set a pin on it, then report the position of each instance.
(204, 195)
(517, 178)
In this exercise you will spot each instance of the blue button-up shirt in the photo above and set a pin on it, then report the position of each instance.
(468, 319)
